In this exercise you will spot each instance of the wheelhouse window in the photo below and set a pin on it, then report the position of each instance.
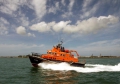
(49, 52)
(62, 54)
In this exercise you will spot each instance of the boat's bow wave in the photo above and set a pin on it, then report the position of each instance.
(87, 69)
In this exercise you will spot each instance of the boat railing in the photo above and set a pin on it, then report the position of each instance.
(74, 53)
(36, 54)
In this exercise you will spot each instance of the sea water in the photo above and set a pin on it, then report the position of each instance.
(96, 71)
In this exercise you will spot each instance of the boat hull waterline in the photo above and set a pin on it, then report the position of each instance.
(36, 60)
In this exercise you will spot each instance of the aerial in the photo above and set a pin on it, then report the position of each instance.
(88, 26)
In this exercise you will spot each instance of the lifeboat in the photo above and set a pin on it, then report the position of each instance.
(57, 54)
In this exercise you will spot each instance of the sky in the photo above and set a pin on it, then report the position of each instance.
(87, 26)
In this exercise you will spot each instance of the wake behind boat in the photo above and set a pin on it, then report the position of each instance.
(57, 54)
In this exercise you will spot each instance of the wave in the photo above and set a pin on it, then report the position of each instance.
(87, 69)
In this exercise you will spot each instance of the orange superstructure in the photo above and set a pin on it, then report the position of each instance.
(58, 53)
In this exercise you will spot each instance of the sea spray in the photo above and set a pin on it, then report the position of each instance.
(87, 69)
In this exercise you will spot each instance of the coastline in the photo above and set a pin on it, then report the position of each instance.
(26, 56)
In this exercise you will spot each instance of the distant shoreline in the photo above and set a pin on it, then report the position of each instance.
(26, 56)
(99, 57)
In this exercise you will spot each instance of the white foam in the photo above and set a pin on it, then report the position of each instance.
(88, 68)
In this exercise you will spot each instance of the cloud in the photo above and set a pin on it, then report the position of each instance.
(101, 7)
(53, 9)
(63, 2)
(87, 10)
(3, 29)
(22, 19)
(21, 30)
(69, 12)
(92, 24)
(60, 25)
(106, 47)
(29, 34)
(40, 27)
(3, 20)
(20, 49)
(10, 6)
(3, 26)
(17, 11)
(52, 26)
(39, 7)
(70, 6)
(85, 4)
